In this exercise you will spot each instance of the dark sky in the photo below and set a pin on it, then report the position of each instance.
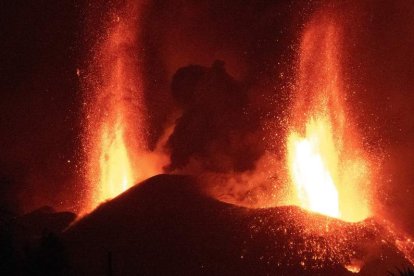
(44, 42)
(40, 99)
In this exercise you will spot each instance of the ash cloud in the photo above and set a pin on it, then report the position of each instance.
(252, 37)
(230, 125)
(217, 128)
(218, 137)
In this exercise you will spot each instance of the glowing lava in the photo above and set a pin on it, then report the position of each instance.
(117, 155)
(313, 162)
(327, 167)
(115, 166)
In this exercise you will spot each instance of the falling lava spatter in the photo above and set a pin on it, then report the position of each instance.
(327, 166)
(115, 135)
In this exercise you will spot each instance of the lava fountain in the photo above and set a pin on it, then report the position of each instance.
(116, 150)
(329, 170)
(327, 165)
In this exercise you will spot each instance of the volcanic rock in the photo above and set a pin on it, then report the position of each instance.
(168, 226)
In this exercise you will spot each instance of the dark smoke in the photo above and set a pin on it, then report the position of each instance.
(217, 130)
(253, 38)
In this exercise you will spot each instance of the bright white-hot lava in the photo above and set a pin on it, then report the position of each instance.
(327, 166)
(309, 168)
(114, 162)
(117, 154)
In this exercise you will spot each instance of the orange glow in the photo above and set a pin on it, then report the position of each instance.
(114, 152)
(117, 155)
(354, 268)
(327, 167)
(115, 166)
(313, 164)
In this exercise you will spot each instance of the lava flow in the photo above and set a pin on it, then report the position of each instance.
(328, 168)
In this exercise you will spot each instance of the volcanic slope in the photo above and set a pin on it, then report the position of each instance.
(167, 226)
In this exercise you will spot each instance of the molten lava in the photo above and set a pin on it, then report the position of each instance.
(328, 168)
(114, 148)
(115, 166)
(313, 162)
(117, 154)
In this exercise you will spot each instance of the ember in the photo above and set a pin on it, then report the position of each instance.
(326, 163)
(117, 154)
